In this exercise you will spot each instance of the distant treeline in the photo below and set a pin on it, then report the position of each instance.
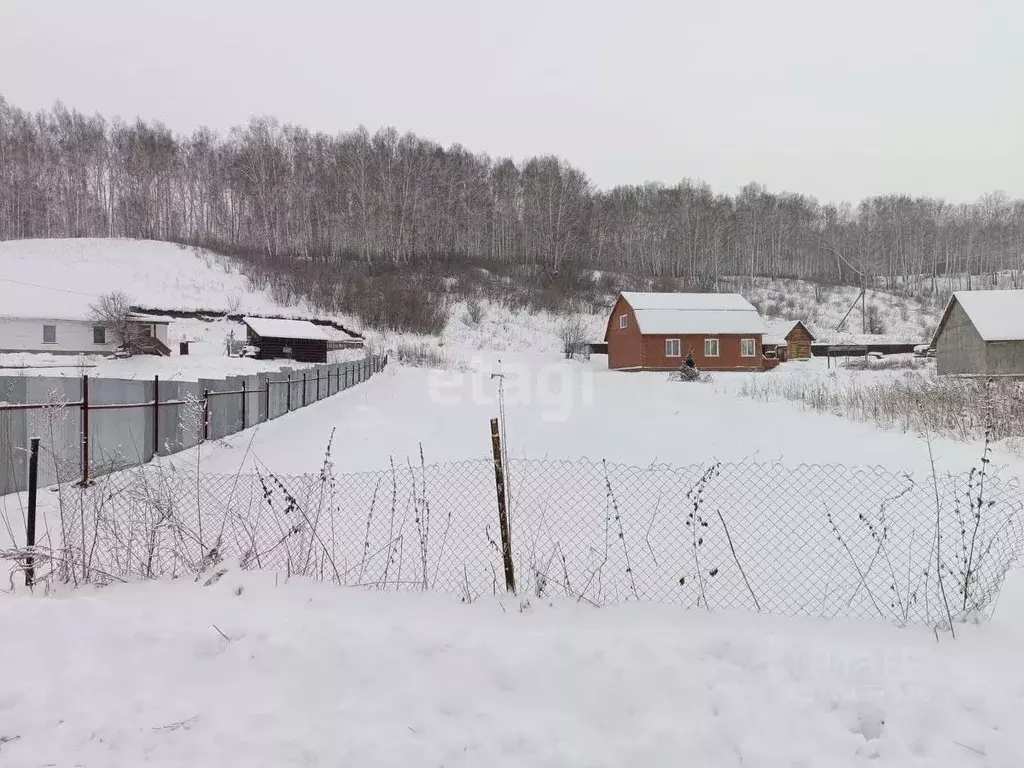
(391, 200)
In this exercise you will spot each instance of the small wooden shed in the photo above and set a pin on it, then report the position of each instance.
(788, 340)
(298, 340)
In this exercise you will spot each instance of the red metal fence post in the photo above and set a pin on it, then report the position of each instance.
(85, 429)
(156, 415)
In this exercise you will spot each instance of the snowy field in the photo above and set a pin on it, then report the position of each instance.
(258, 671)
(568, 409)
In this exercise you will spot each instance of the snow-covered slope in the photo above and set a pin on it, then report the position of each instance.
(895, 318)
(62, 278)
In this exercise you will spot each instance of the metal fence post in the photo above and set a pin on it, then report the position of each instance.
(244, 398)
(499, 484)
(289, 398)
(303, 389)
(30, 523)
(318, 384)
(206, 415)
(156, 415)
(267, 416)
(85, 429)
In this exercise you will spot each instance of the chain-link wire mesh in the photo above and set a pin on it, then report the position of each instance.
(812, 540)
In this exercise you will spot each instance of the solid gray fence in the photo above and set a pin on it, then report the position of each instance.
(153, 418)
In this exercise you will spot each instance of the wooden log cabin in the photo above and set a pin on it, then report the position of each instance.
(788, 340)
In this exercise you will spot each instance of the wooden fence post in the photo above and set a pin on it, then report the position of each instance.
(156, 415)
(30, 523)
(85, 429)
(499, 484)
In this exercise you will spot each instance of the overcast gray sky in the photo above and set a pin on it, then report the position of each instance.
(838, 100)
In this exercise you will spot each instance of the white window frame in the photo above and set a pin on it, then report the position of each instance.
(712, 343)
(678, 347)
(54, 339)
(623, 321)
(753, 348)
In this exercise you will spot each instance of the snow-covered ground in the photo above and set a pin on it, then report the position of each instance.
(261, 670)
(258, 670)
(568, 409)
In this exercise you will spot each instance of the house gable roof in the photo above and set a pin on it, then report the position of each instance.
(300, 330)
(693, 313)
(995, 315)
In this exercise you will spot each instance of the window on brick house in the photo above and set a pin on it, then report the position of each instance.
(710, 347)
(623, 321)
(747, 348)
(673, 348)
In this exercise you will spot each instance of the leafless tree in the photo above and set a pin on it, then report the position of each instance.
(572, 334)
(113, 312)
(301, 206)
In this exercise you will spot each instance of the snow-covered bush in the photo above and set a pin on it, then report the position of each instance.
(964, 409)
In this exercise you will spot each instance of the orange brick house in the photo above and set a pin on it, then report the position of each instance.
(656, 331)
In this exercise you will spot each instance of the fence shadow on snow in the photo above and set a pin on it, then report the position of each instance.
(812, 540)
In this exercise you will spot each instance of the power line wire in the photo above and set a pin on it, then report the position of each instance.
(47, 287)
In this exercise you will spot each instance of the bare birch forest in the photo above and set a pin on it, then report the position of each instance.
(389, 202)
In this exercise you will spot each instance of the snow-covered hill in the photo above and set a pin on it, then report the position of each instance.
(895, 318)
(62, 278)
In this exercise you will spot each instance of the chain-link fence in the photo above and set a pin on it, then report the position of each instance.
(812, 540)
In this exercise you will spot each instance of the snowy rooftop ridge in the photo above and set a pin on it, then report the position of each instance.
(694, 313)
(997, 315)
(286, 329)
(727, 302)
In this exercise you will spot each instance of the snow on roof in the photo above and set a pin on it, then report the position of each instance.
(777, 331)
(997, 315)
(286, 329)
(687, 301)
(661, 313)
(143, 317)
